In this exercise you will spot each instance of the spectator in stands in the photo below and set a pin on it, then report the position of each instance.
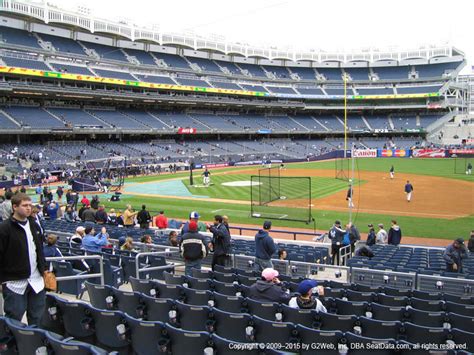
(81, 211)
(454, 254)
(85, 200)
(394, 234)
(173, 239)
(53, 208)
(282, 254)
(264, 247)
(50, 249)
(193, 216)
(146, 239)
(60, 192)
(144, 218)
(161, 221)
(112, 217)
(70, 215)
(6, 208)
(76, 239)
(269, 288)
(95, 202)
(306, 298)
(470, 244)
(88, 215)
(128, 245)
(364, 251)
(22, 263)
(226, 222)
(382, 235)
(371, 237)
(101, 216)
(129, 217)
(336, 235)
(354, 235)
(95, 243)
(35, 214)
(193, 247)
(220, 242)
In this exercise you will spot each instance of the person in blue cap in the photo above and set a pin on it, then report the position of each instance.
(306, 298)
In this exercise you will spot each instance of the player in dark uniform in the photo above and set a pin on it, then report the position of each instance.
(206, 177)
(408, 190)
(392, 172)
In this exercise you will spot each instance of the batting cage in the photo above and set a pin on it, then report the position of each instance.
(342, 168)
(461, 165)
(284, 198)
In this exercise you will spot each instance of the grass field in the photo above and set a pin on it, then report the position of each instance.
(238, 213)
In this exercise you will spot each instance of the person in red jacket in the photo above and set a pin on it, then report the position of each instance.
(161, 221)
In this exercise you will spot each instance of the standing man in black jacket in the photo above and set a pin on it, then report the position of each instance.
(336, 234)
(144, 218)
(193, 247)
(220, 242)
(22, 263)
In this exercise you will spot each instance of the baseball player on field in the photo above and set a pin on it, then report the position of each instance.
(408, 190)
(392, 172)
(206, 177)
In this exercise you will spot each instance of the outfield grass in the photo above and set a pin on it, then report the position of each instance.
(434, 167)
(320, 187)
(412, 226)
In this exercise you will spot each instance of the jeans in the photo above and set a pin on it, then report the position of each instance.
(190, 265)
(15, 305)
(261, 264)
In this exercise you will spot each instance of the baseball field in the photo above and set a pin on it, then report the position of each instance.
(442, 205)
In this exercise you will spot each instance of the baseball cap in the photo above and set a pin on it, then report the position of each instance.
(306, 285)
(269, 274)
(460, 240)
(193, 215)
(380, 225)
(267, 225)
(192, 226)
(370, 225)
(337, 222)
(80, 229)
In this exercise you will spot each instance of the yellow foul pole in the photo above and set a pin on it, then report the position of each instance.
(345, 115)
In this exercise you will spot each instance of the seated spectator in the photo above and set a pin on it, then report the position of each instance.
(364, 251)
(76, 239)
(454, 254)
(112, 217)
(161, 221)
(306, 298)
(50, 249)
(173, 239)
(282, 254)
(88, 215)
(101, 216)
(70, 215)
(95, 243)
(128, 245)
(146, 239)
(470, 244)
(269, 288)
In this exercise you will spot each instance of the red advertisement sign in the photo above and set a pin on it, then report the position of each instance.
(365, 153)
(187, 130)
(428, 153)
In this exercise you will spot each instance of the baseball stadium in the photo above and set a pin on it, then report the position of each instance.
(192, 195)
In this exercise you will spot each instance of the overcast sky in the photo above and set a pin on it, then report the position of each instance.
(307, 24)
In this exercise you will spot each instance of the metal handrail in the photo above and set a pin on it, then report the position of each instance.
(153, 268)
(80, 276)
